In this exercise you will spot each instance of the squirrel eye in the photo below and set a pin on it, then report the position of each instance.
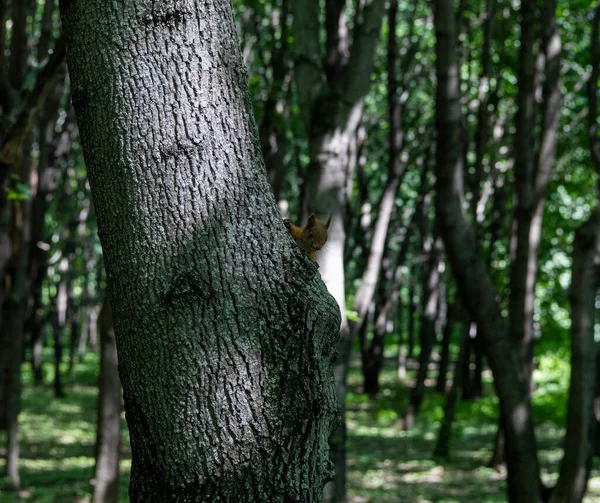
(310, 235)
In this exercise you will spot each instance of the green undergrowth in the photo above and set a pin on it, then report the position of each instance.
(385, 463)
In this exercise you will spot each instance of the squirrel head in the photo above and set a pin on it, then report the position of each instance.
(315, 232)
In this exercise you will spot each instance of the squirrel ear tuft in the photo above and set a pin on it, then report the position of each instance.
(312, 219)
(328, 222)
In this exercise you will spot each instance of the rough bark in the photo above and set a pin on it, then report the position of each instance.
(461, 249)
(225, 332)
(108, 431)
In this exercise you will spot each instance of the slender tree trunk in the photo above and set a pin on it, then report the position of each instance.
(108, 433)
(440, 386)
(12, 330)
(442, 448)
(577, 460)
(225, 331)
(412, 309)
(427, 333)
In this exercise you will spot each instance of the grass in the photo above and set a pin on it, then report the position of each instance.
(385, 464)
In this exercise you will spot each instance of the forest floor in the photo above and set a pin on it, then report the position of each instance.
(386, 464)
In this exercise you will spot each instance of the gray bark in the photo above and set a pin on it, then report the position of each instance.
(479, 295)
(225, 331)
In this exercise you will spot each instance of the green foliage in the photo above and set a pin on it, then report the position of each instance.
(17, 190)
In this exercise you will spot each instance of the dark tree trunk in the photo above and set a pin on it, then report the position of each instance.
(478, 369)
(442, 447)
(440, 386)
(372, 353)
(412, 309)
(466, 377)
(225, 331)
(577, 460)
(60, 320)
(427, 333)
(462, 252)
(53, 149)
(108, 433)
(15, 275)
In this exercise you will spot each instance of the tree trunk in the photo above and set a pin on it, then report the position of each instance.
(108, 432)
(225, 331)
(427, 333)
(442, 447)
(577, 460)
(440, 386)
(470, 272)
(412, 309)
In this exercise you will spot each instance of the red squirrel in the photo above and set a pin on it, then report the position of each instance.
(312, 236)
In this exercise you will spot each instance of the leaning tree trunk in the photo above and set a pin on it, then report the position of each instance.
(478, 295)
(225, 331)
(108, 429)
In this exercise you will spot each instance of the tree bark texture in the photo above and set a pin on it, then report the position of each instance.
(225, 332)
(108, 430)
(478, 294)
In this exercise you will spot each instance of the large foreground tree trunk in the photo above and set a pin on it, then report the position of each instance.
(225, 331)
(470, 272)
